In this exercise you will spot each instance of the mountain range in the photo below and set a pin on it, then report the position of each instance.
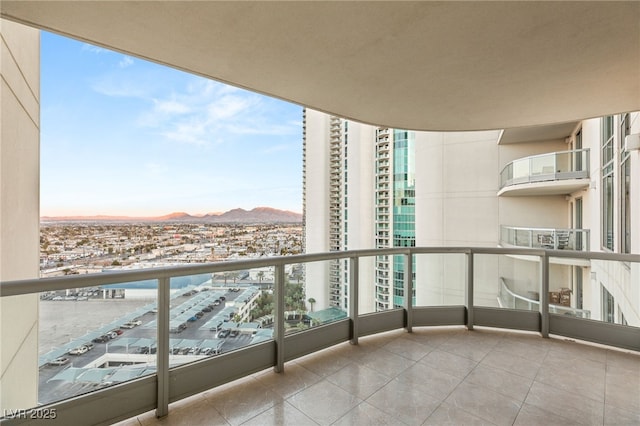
(256, 215)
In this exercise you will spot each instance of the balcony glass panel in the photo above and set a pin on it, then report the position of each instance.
(547, 167)
(319, 298)
(545, 238)
(608, 291)
(440, 279)
(94, 337)
(212, 314)
(501, 281)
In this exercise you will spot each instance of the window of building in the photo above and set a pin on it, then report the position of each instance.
(608, 306)
(608, 171)
(625, 187)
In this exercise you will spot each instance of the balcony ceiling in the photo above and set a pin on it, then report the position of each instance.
(415, 65)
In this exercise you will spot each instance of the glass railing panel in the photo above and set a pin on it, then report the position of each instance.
(506, 175)
(217, 313)
(502, 281)
(521, 170)
(90, 338)
(552, 166)
(605, 290)
(440, 279)
(321, 297)
(545, 238)
(543, 165)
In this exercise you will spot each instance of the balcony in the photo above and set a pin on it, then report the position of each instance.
(545, 238)
(481, 374)
(556, 173)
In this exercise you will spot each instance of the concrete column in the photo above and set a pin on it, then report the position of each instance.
(19, 211)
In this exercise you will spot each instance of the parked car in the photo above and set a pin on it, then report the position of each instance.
(101, 339)
(224, 333)
(131, 324)
(117, 331)
(80, 350)
(234, 333)
(59, 361)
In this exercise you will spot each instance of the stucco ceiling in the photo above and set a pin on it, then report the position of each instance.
(414, 65)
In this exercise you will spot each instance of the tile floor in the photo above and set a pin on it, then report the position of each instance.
(433, 376)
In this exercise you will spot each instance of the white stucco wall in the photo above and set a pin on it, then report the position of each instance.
(19, 211)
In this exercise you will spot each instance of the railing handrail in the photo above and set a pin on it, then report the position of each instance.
(35, 285)
(524, 228)
(546, 154)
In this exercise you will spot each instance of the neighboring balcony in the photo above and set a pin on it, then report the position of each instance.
(545, 238)
(555, 173)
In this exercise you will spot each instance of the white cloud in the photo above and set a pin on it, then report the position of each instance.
(94, 49)
(125, 62)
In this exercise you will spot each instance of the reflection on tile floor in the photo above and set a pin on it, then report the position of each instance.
(433, 376)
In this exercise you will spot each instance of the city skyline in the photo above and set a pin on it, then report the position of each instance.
(123, 136)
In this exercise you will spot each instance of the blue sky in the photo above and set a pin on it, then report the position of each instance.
(122, 136)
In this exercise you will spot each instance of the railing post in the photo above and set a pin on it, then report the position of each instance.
(469, 290)
(162, 353)
(544, 295)
(353, 298)
(279, 320)
(408, 290)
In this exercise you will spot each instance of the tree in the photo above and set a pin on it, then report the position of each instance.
(311, 302)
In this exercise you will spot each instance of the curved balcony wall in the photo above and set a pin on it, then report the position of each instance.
(547, 174)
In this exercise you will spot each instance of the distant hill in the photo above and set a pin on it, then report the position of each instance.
(256, 215)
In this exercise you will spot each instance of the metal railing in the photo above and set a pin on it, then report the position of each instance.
(128, 399)
(545, 238)
(546, 167)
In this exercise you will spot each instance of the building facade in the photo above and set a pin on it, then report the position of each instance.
(560, 187)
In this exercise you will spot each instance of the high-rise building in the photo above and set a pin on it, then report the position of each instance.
(566, 187)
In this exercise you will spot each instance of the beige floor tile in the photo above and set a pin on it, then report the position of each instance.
(198, 412)
(472, 348)
(531, 415)
(484, 403)
(512, 363)
(324, 402)
(623, 389)
(571, 348)
(359, 380)
(241, 403)
(294, 379)
(448, 415)
(624, 360)
(365, 414)
(386, 362)
(407, 402)
(500, 381)
(438, 384)
(323, 363)
(615, 416)
(590, 385)
(566, 404)
(449, 363)
(283, 414)
(408, 348)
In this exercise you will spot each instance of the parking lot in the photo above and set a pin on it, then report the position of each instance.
(66, 320)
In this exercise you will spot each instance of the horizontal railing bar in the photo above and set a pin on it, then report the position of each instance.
(18, 287)
(520, 228)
